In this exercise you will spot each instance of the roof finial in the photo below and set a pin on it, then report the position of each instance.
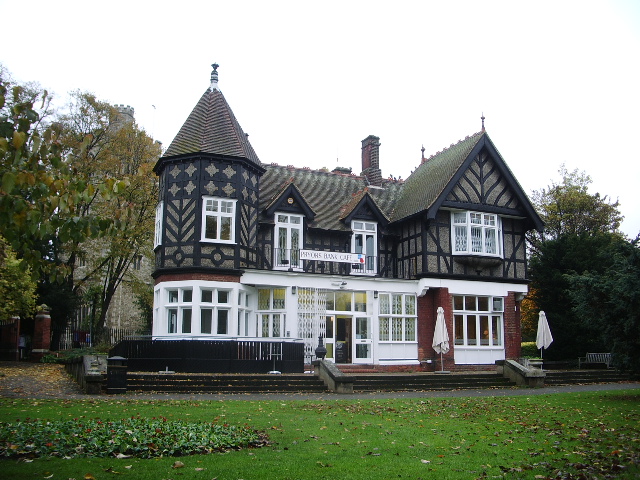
(214, 77)
(482, 118)
(422, 150)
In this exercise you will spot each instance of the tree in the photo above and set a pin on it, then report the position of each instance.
(612, 298)
(39, 189)
(580, 231)
(17, 290)
(568, 208)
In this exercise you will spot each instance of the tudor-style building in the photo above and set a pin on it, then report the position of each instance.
(251, 250)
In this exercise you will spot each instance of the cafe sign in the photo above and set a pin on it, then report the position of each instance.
(340, 257)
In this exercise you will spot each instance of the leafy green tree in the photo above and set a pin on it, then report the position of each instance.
(568, 208)
(39, 189)
(612, 298)
(17, 288)
(580, 230)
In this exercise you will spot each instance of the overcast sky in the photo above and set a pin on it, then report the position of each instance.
(558, 81)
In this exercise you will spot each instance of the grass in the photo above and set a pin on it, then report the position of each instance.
(579, 435)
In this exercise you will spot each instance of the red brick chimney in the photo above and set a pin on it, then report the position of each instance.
(371, 160)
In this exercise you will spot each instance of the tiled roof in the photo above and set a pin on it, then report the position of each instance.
(428, 181)
(212, 128)
(328, 194)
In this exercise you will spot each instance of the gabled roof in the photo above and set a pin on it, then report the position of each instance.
(289, 190)
(429, 180)
(360, 202)
(329, 195)
(212, 128)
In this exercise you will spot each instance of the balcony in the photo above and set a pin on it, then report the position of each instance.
(289, 259)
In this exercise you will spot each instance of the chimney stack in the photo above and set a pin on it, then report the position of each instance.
(371, 160)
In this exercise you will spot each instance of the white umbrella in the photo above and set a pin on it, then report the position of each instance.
(440, 336)
(544, 337)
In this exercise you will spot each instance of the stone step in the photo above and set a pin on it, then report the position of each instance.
(572, 377)
(198, 383)
(428, 381)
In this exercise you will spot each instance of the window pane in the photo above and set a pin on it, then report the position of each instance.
(223, 296)
(278, 298)
(476, 239)
(265, 325)
(396, 306)
(329, 331)
(211, 205)
(458, 302)
(226, 207)
(490, 243)
(483, 304)
(225, 228)
(410, 304)
(460, 240)
(385, 307)
(458, 328)
(331, 301)
(173, 296)
(472, 330)
(186, 320)
(296, 220)
(343, 301)
(459, 217)
(282, 219)
(496, 327)
(384, 329)
(470, 304)
(264, 297)
(410, 329)
(211, 227)
(223, 320)
(476, 218)
(358, 242)
(206, 314)
(207, 296)
(276, 325)
(187, 296)
(361, 301)
(396, 332)
(490, 220)
(172, 320)
(484, 330)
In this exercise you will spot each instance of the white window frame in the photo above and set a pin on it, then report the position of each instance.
(476, 233)
(397, 318)
(179, 310)
(223, 210)
(478, 321)
(271, 312)
(288, 256)
(218, 302)
(157, 239)
(365, 241)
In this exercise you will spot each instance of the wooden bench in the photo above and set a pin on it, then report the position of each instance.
(604, 358)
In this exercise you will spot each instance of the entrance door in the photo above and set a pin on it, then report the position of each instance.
(343, 340)
(363, 341)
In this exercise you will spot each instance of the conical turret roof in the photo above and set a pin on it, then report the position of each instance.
(212, 128)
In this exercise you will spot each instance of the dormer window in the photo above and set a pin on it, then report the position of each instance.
(218, 220)
(364, 241)
(476, 233)
(288, 241)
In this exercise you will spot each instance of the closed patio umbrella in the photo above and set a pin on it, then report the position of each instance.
(440, 336)
(543, 337)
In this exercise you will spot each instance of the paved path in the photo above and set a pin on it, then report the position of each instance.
(38, 381)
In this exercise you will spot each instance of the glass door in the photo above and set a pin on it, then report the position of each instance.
(363, 341)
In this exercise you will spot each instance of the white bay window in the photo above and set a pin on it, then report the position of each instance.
(476, 233)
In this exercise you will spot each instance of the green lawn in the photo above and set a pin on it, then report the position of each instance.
(540, 436)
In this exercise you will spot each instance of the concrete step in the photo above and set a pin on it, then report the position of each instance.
(428, 381)
(198, 383)
(572, 377)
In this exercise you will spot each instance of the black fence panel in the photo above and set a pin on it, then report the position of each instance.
(211, 356)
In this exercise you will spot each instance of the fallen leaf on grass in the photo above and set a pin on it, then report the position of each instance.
(178, 464)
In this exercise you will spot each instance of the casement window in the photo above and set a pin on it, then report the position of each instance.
(244, 314)
(157, 239)
(218, 220)
(478, 321)
(397, 318)
(364, 241)
(215, 311)
(179, 310)
(476, 233)
(289, 241)
(271, 312)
